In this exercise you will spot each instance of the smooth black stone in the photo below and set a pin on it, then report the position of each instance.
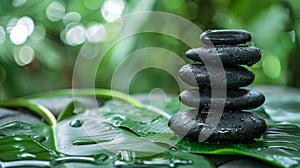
(229, 55)
(234, 126)
(197, 75)
(225, 37)
(238, 99)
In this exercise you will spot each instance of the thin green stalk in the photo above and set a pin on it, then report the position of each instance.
(99, 93)
(36, 108)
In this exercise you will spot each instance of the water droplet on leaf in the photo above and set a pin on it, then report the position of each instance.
(26, 155)
(76, 123)
(39, 138)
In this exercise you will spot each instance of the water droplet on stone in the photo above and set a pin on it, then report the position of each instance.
(253, 119)
(76, 123)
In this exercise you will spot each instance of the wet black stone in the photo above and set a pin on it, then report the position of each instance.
(197, 75)
(233, 126)
(225, 37)
(238, 99)
(229, 55)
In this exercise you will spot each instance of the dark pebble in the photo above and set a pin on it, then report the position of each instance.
(234, 126)
(197, 75)
(238, 99)
(230, 55)
(225, 37)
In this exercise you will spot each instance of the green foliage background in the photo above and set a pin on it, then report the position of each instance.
(274, 25)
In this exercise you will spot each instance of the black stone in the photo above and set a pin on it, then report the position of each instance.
(233, 126)
(225, 37)
(238, 99)
(197, 75)
(229, 55)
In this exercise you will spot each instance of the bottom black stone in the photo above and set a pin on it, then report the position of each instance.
(233, 126)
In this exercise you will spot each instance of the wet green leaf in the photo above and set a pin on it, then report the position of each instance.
(35, 108)
(279, 145)
(22, 147)
(284, 109)
(94, 135)
(41, 133)
(127, 130)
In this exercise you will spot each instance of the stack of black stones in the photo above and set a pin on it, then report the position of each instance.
(235, 124)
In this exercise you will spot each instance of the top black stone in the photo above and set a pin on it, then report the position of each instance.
(225, 37)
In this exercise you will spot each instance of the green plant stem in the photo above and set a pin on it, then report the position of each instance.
(99, 93)
(36, 108)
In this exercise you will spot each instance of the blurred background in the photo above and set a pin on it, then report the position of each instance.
(40, 40)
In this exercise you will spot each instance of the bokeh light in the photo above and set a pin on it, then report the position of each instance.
(17, 3)
(76, 35)
(22, 30)
(39, 33)
(24, 56)
(271, 66)
(112, 10)
(28, 23)
(11, 24)
(48, 34)
(96, 33)
(71, 17)
(18, 34)
(89, 51)
(55, 11)
(92, 4)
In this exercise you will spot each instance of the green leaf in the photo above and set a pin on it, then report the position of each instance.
(22, 147)
(279, 145)
(41, 133)
(125, 149)
(87, 135)
(94, 135)
(142, 130)
(284, 109)
(165, 159)
(35, 108)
